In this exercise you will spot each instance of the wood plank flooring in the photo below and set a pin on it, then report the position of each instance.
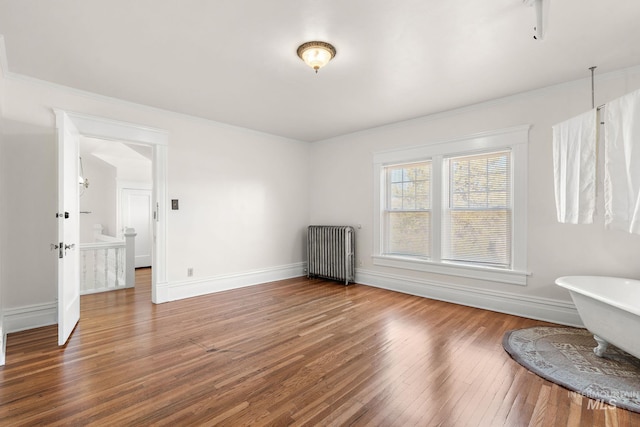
(293, 352)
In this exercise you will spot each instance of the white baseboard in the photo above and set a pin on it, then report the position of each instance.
(192, 288)
(29, 317)
(561, 312)
(549, 310)
(3, 344)
(35, 316)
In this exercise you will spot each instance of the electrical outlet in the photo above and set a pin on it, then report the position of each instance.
(190, 272)
(359, 263)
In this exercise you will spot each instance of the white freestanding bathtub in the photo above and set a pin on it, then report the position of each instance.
(609, 308)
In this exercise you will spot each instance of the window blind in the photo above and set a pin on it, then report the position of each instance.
(408, 209)
(477, 215)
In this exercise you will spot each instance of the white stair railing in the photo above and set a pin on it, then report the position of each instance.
(108, 263)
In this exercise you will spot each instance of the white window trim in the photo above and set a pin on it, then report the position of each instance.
(515, 139)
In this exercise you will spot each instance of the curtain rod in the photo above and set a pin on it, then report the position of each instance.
(593, 93)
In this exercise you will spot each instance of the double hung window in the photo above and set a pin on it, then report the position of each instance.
(477, 209)
(455, 207)
(409, 209)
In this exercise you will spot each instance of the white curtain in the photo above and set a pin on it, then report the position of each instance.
(622, 163)
(574, 167)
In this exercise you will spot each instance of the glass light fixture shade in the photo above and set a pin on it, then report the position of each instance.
(316, 54)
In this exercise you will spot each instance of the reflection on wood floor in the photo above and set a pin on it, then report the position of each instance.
(291, 352)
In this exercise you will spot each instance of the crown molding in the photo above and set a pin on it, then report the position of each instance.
(491, 102)
(4, 66)
(9, 75)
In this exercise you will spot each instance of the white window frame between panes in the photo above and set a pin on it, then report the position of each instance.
(513, 139)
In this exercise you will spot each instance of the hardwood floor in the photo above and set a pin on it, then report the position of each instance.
(294, 352)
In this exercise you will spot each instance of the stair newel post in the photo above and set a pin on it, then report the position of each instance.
(130, 251)
(97, 231)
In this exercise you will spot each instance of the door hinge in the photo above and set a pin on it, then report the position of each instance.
(62, 215)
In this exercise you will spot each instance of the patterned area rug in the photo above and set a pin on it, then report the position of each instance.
(565, 356)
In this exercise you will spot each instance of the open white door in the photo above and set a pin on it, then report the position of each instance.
(68, 227)
(70, 123)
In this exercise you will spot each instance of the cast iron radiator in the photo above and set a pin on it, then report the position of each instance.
(331, 252)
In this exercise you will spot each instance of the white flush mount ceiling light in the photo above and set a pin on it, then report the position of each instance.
(316, 54)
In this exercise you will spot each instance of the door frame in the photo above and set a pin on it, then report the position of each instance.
(158, 140)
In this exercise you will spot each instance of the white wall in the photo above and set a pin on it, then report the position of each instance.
(141, 175)
(243, 200)
(28, 168)
(99, 198)
(243, 195)
(342, 188)
(2, 224)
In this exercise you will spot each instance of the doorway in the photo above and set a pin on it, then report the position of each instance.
(115, 195)
(157, 141)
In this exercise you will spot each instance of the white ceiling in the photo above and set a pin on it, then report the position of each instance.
(234, 61)
(128, 159)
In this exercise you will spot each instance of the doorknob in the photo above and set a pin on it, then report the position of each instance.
(71, 246)
(59, 248)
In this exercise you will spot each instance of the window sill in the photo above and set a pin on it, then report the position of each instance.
(451, 269)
